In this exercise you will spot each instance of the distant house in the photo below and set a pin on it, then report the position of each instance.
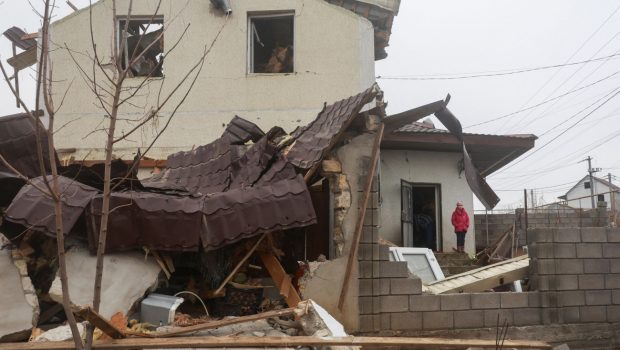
(579, 195)
(422, 174)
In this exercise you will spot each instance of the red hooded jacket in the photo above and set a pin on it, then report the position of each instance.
(460, 220)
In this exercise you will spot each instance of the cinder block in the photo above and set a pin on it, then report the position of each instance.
(594, 234)
(533, 299)
(568, 234)
(527, 317)
(542, 283)
(491, 317)
(394, 303)
(591, 282)
(613, 234)
(469, 319)
(568, 266)
(549, 299)
(365, 287)
(365, 304)
(438, 320)
(614, 265)
(566, 282)
(485, 300)
(569, 314)
(589, 250)
(598, 297)
(366, 323)
(597, 266)
(455, 301)
(376, 304)
(564, 250)
(542, 250)
(372, 217)
(593, 313)
(545, 266)
(365, 252)
(615, 296)
(376, 322)
(393, 269)
(365, 269)
(386, 323)
(384, 252)
(541, 235)
(613, 314)
(380, 286)
(376, 252)
(611, 250)
(406, 286)
(571, 298)
(612, 281)
(370, 234)
(551, 315)
(406, 321)
(424, 302)
(513, 300)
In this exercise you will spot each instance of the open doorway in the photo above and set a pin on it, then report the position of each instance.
(420, 217)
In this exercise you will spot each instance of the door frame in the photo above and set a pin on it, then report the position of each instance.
(438, 211)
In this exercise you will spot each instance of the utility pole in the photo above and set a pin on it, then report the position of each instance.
(612, 199)
(590, 171)
(532, 198)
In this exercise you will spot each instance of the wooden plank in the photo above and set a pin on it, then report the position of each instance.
(232, 273)
(23, 59)
(360, 218)
(217, 324)
(245, 342)
(100, 322)
(280, 278)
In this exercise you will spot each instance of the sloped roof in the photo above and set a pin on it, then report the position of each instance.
(605, 183)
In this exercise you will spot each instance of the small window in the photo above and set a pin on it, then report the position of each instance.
(601, 197)
(586, 184)
(271, 43)
(144, 47)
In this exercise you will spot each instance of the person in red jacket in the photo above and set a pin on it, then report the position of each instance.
(460, 221)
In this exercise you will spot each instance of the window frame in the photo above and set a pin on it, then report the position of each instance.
(119, 37)
(250, 38)
(397, 254)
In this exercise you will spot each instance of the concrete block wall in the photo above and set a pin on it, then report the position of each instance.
(577, 274)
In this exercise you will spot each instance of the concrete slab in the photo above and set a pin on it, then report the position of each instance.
(126, 278)
(20, 304)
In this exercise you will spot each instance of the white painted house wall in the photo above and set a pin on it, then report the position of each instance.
(333, 59)
(424, 167)
(579, 196)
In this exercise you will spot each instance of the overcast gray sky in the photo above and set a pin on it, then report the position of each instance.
(447, 39)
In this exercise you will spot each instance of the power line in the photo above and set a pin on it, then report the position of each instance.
(541, 103)
(509, 72)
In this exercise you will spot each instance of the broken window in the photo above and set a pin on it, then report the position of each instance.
(143, 50)
(271, 43)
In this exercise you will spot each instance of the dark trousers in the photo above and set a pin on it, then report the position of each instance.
(460, 239)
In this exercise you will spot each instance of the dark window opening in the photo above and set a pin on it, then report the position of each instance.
(143, 50)
(601, 197)
(271, 44)
(586, 184)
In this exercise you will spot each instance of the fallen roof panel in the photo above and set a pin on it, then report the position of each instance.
(15, 34)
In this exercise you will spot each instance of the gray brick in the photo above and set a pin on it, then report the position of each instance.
(490, 317)
(394, 303)
(406, 286)
(533, 299)
(551, 315)
(376, 304)
(593, 314)
(386, 323)
(365, 305)
(406, 321)
(513, 300)
(589, 250)
(594, 234)
(611, 250)
(612, 281)
(571, 298)
(365, 251)
(485, 300)
(527, 317)
(365, 287)
(393, 269)
(568, 266)
(598, 297)
(597, 266)
(549, 299)
(455, 301)
(384, 252)
(613, 314)
(438, 320)
(543, 283)
(592, 282)
(567, 235)
(564, 250)
(541, 234)
(614, 265)
(615, 296)
(545, 266)
(542, 250)
(366, 323)
(372, 217)
(376, 322)
(380, 286)
(566, 282)
(424, 303)
(370, 234)
(613, 235)
(570, 314)
(469, 319)
(365, 269)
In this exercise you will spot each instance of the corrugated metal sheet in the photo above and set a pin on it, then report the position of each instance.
(14, 34)
(240, 131)
(316, 139)
(35, 210)
(93, 175)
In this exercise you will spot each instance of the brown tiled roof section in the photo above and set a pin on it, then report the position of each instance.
(317, 138)
(240, 131)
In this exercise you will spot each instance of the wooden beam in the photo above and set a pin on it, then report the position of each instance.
(100, 322)
(246, 342)
(360, 217)
(23, 59)
(239, 264)
(281, 279)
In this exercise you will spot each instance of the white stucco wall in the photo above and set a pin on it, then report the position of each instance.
(424, 167)
(579, 191)
(334, 59)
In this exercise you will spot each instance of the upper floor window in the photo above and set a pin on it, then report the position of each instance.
(143, 49)
(586, 184)
(271, 39)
